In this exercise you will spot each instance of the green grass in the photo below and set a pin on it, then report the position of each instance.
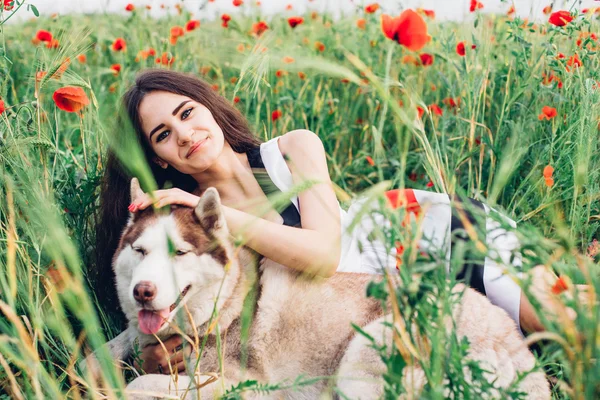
(492, 148)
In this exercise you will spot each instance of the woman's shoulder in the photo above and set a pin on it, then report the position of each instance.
(299, 140)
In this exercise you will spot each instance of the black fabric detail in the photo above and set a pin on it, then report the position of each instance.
(290, 215)
(473, 269)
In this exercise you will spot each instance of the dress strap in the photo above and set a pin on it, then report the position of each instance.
(264, 174)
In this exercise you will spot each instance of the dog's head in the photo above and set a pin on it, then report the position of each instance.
(166, 261)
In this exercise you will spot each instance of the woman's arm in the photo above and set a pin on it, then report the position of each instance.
(298, 248)
(314, 248)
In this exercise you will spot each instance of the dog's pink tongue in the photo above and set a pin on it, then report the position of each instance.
(151, 321)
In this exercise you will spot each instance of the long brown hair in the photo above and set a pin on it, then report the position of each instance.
(115, 197)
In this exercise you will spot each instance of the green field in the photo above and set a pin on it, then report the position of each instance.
(472, 124)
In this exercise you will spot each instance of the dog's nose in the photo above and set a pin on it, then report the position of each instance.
(144, 291)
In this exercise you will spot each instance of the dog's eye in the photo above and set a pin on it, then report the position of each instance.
(180, 252)
(140, 250)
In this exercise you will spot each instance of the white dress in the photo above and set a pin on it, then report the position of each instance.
(360, 253)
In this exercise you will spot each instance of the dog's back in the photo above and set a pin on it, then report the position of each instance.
(303, 326)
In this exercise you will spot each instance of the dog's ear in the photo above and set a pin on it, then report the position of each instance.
(135, 189)
(210, 213)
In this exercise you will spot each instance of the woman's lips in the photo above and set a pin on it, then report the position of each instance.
(195, 147)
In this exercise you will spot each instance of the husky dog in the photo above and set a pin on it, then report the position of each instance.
(185, 262)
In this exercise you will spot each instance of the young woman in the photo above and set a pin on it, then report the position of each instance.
(196, 139)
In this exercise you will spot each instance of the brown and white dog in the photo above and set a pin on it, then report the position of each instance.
(184, 262)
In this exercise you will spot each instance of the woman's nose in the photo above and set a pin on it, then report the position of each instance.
(184, 136)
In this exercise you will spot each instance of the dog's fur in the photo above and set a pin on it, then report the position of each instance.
(300, 326)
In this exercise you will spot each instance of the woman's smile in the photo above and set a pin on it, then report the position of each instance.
(194, 148)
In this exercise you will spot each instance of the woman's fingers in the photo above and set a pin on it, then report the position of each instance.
(181, 367)
(188, 200)
(156, 360)
(177, 360)
(164, 197)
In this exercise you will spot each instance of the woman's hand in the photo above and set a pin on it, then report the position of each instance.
(156, 361)
(164, 197)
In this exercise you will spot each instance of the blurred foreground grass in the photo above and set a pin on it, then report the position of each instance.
(480, 134)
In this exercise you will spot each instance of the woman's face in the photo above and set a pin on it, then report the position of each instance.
(181, 131)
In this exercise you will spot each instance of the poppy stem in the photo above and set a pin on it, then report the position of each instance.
(83, 141)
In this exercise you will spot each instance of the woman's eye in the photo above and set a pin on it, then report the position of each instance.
(140, 250)
(186, 113)
(162, 135)
(180, 252)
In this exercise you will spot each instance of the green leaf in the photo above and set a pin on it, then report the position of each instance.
(34, 10)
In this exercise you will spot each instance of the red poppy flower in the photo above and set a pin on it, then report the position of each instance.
(295, 21)
(548, 170)
(426, 59)
(43, 36)
(319, 46)
(165, 59)
(192, 24)
(370, 161)
(547, 10)
(177, 31)
(129, 7)
(2, 107)
(275, 115)
(259, 28)
(427, 13)
(371, 8)
(70, 98)
(450, 102)
(361, 23)
(301, 75)
(53, 44)
(475, 5)
(409, 29)
(420, 111)
(560, 285)
(116, 68)
(237, 3)
(82, 58)
(560, 18)
(289, 7)
(460, 49)
(280, 73)
(429, 184)
(574, 62)
(151, 52)
(547, 113)
(434, 108)
(119, 45)
(236, 100)
(225, 18)
(511, 10)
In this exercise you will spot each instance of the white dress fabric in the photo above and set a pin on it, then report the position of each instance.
(361, 253)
